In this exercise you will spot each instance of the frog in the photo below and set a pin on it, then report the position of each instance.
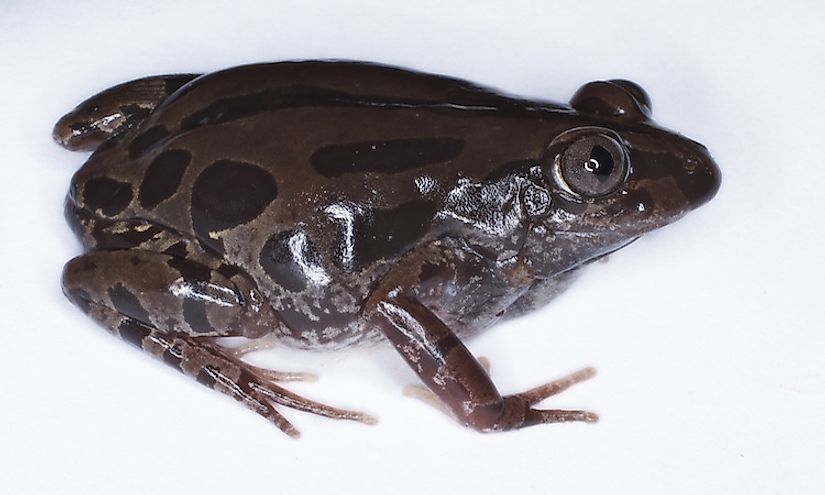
(322, 204)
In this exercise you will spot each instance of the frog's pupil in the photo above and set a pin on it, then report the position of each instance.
(600, 162)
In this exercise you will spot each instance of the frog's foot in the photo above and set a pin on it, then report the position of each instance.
(524, 400)
(283, 376)
(485, 363)
(260, 344)
(211, 365)
(264, 343)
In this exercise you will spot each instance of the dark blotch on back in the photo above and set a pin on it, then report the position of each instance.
(128, 304)
(133, 332)
(163, 177)
(228, 271)
(106, 194)
(388, 157)
(191, 271)
(227, 194)
(386, 233)
(178, 249)
(194, 312)
(464, 97)
(279, 262)
(146, 139)
(135, 234)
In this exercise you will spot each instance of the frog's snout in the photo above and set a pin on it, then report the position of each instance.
(702, 177)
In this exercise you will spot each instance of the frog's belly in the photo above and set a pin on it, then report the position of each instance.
(328, 319)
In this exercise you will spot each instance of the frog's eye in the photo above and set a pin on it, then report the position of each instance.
(615, 98)
(589, 161)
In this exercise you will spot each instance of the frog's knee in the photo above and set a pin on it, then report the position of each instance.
(84, 129)
(78, 273)
(114, 110)
(84, 282)
(73, 286)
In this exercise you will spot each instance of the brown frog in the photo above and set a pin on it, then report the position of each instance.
(325, 204)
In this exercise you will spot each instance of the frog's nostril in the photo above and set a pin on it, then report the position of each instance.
(703, 180)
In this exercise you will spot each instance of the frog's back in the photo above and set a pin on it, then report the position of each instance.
(270, 146)
(315, 177)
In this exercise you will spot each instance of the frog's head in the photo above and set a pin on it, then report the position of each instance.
(616, 175)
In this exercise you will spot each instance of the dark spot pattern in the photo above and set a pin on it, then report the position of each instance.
(279, 262)
(128, 304)
(107, 195)
(163, 177)
(194, 312)
(206, 376)
(467, 98)
(383, 233)
(227, 270)
(177, 249)
(429, 270)
(191, 271)
(135, 234)
(227, 194)
(146, 140)
(388, 157)
(172, 356)
(133, 332)
(242, 106)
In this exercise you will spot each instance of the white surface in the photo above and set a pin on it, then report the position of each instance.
(710, 345)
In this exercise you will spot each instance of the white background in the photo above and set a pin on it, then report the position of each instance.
(708, 335)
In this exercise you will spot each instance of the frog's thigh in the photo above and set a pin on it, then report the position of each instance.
(173, 308)
(114, 109)
(450, 371)
(171, 294)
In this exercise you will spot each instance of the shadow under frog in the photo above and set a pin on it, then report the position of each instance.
(324, 204)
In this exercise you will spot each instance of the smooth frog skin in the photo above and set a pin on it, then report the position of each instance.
(324, 204)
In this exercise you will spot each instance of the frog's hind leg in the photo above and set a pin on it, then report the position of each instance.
(174, 309)
(114, 110)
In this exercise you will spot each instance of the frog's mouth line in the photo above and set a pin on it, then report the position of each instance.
(613, 249)
(596, 257)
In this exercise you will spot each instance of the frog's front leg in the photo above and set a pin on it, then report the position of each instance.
(466, 286)
(451, 372)
(115, 109)
(174, 308)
